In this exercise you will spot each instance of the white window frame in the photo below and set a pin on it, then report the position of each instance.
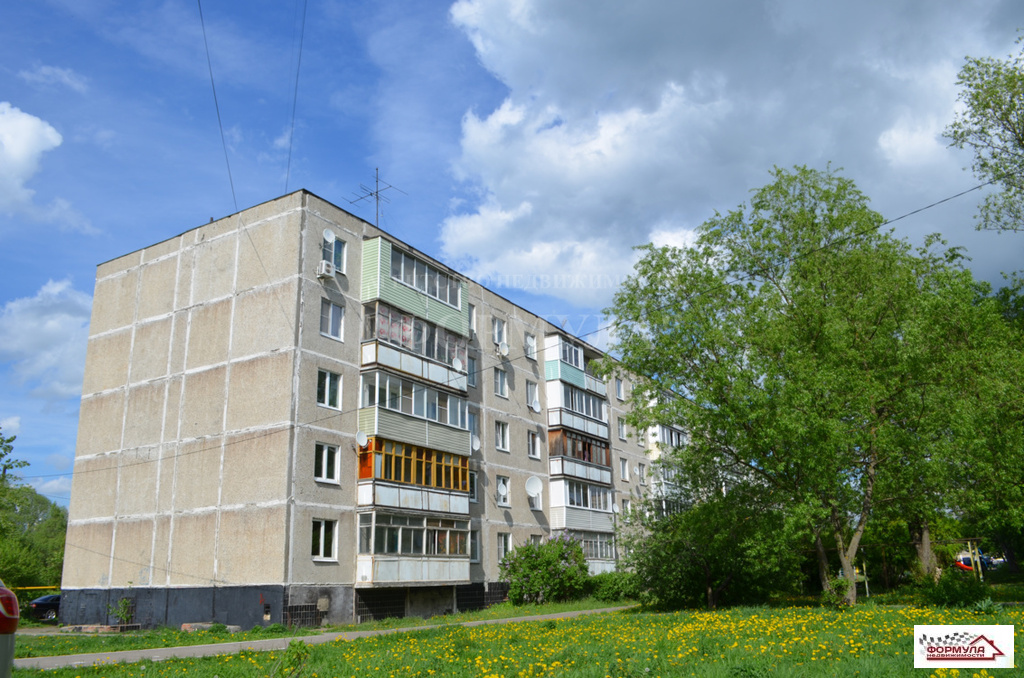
(499, 330)
(504, 545)
(572, 354)
(532, 393)
(326, 527)
(507, 501)
(332, 314)
(622, 428)
(500, 382)
(624, 468)
(626, 506)
(473, 487)
(530, 346)
(501, 436)
(533, 445)
(328, 378)
(620, 391)
(471, 370)
(325, 456)
(642, 473)
(334, 253)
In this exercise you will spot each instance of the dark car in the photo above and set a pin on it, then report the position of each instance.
(46, 607)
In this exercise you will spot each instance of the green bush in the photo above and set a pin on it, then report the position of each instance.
(834, 598)
(552, 571)
(613, 587)
(956, 589)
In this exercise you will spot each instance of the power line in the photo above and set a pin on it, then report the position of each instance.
(295, 98)
(216, 105)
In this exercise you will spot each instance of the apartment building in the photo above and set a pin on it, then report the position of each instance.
(288, 415)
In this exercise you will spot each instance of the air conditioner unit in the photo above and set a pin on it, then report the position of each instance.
(325, 269)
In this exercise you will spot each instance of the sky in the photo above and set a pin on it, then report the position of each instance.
(531, 144)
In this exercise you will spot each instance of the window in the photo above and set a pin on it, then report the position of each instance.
(472, 319)
(334, 252)
(498, 330)
(404, 463)
(572, 354)
(408, 397)
(619, 391)
(328, 389)
(536, 539)
(472, 487)
(625, 507)
(500, 382)
(532, 395)
(504, 545)
(622, 429)
(474, 546)
(417, 336)
(582, 402)
(588, 496)
(324, 533)
(597, 545)
(420, 275)
(670, 437)
(530, 342)
(533, 444)
(331, 316)
(472, 371)
(325, 463)
(501, 435)
(641, 472)
(412, 535)
(474, 423)
(624, 468)
(577, 446)
(503, 491)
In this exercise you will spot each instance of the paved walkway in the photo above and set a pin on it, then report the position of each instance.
(265, 645)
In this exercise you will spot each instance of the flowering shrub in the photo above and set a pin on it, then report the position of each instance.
(554, 570)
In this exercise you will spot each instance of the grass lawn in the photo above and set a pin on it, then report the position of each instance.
(746, 642)
(64, 644)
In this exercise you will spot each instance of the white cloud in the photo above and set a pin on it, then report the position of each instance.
(54, 488)
(627, 123)
(52, 75)
(44, 337)
(24, 139)
(10, 425)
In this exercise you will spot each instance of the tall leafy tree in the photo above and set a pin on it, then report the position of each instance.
(991, 124)
(806, 350)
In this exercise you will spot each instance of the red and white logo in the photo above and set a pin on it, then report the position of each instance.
(963, 646)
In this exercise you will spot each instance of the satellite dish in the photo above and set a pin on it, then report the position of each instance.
(535, 405)
(615, 508)
(502, 489)
(636, 470)
(328, 235)
(457, 365)
(361, 439)
(503, 349)
(475, 442)
(534, 486)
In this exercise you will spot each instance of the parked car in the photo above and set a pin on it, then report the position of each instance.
(46, 607)
(8, 625)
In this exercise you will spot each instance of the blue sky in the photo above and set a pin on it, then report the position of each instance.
(529, 138)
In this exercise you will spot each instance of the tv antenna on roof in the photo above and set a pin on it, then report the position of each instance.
(377, 193)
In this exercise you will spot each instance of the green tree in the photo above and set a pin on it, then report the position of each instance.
(806, 350)
(991, 124)
(554, 570)
(722, 550)
(8, 463)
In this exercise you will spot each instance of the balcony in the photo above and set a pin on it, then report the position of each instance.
(404, 570)
(376, 354)
(567, 466)
(384, 494)
(560, 417)
(378, 421)
(573, 518)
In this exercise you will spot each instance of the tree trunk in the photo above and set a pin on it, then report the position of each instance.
(1012, 564)
(822, 562)
(920, 534)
